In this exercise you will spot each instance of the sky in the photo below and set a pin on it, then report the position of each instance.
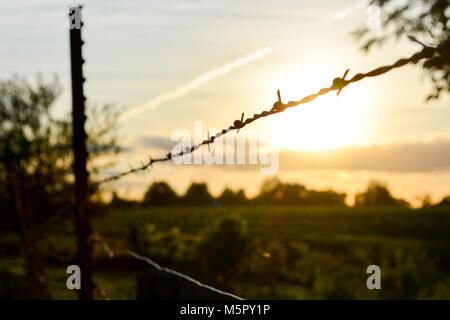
(167, 64)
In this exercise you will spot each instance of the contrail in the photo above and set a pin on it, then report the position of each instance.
(341, 14)
(222, 70)
(196, 82)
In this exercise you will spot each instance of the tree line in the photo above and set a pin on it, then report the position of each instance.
(272, 192)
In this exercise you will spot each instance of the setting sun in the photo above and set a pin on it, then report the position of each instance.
(327, 123)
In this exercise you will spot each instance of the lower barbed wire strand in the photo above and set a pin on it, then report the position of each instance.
(99, 239)
(181, 275)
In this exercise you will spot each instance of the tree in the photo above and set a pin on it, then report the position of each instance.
(273, 191)
(160, 194)
(35, 182)
(228, 197)
(36, 166)
(444, 202)
(425, 19)
(378, 195)
(425, 200)
(197, 195)
(324, 198)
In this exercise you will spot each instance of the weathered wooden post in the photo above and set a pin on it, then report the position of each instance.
(83, 228)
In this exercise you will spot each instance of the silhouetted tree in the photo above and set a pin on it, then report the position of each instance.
(240, 197)
(229, 197)
(425, 200)
(160, 194)
(197, 195)
(36, 166)
(328, 197)
(444, 202)
(378, 195)
(425, 19)
(35, 182)
(273, 191)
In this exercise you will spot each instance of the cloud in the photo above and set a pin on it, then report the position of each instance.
(408, 157)
(166, 144)
(157, 142)
(401, 157)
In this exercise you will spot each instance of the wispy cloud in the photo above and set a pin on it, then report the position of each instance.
(197, 82)
(400, 157)
(418, 156)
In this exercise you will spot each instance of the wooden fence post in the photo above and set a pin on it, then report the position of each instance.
(83, 228)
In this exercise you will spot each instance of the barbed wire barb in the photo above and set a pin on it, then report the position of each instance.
(239, 125)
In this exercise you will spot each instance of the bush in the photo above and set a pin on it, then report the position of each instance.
(224, 247)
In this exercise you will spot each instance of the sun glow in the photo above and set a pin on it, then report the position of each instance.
(328, 122)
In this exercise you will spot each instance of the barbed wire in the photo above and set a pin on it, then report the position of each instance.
(99, 239)
(181, 275)
(338, 85)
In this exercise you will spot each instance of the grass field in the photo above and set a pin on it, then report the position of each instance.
(279, 252)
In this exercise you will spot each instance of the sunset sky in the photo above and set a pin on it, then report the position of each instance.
(166, 64)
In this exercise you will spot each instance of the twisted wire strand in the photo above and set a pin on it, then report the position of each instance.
(99, 239)
(181, 275)
(338, 84)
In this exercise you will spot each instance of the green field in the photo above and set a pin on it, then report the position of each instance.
(268, 252)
